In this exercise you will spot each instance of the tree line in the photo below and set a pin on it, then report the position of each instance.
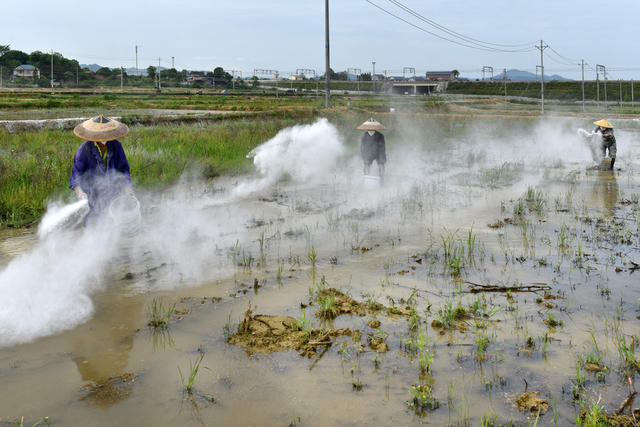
(69, 73)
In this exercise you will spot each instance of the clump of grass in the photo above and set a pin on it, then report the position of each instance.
(627, 352)
(194, 368)
(422, 399)
(448, 315)
(327, 306)
(159, 315)
(594, 356)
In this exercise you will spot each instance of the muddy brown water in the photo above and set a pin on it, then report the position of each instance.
(115, 370)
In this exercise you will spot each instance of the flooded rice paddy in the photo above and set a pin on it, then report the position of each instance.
(492, 279)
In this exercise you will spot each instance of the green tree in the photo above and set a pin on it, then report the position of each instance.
(105, 71)
(455, 74)
(151, 72)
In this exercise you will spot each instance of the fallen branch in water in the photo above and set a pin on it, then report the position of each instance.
(626, 402)
(533, 287)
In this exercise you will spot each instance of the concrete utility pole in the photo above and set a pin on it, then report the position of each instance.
(137, 72)
(77, 72)
(51, 70)
(597, 88)
(631, 93)
(327, 78)
(542, 48)
(373, 73)
(620, 81)
(173, 62)
(602, 69)
(0, 76)
(504, 78)
(583, 85)
(159, 82)
(121, 78)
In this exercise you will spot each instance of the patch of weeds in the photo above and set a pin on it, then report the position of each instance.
(627, 352)
(327, 306)
(449, 316)
(159, 315)
(228, 328)
(551, 320)
(422, 399)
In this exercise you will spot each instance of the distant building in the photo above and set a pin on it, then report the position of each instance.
(296, 77)
(26, 70)
(199, 76)
(440, 75)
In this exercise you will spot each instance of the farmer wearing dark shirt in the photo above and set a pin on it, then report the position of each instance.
(372, 146)
(100, 168)
(608, 141)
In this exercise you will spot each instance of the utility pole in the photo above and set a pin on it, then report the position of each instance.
(159, 82)
(77, 72)
(583, 85)
(597, 88)
(0, 76)
(372, 76)
(173, 63)
(51, 70)
(631, 93)
(327, 78)
(542, 48)
(121, 78)
(602, 69)
(620, 82)
(137, 72)
(504, 77)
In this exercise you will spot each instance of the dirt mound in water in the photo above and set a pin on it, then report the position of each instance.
(530, 401)
(110, 391)
(344, 304)
(263, 333)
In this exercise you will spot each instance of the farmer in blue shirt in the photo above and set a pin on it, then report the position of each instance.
(100, 168)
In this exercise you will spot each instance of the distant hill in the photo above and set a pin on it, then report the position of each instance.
(526, 76)
(92, 67)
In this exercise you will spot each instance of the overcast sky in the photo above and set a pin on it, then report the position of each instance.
(288, 34)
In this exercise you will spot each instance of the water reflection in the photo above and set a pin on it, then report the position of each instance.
(101, 348)
(605, 191)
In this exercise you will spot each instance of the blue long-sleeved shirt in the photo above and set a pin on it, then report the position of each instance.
(97, 179)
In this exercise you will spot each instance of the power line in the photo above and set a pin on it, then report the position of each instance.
(455, 33)
(489, 49)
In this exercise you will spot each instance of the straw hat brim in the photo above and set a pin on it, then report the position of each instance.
(604, 123)
(371, 125)
(101, 129)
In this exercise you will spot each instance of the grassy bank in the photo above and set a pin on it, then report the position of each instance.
(561, 90)
(35, 166)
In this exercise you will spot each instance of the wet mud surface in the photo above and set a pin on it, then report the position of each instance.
(484, 293)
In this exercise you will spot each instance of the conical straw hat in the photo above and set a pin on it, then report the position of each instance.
(604, 123)
(371, 124)
(101, 129)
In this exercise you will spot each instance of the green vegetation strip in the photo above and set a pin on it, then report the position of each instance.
(35, 166)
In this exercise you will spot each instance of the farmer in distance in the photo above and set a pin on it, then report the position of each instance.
(608, 141)
(372, 146)
(100, 168)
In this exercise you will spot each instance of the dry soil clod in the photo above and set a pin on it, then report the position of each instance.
(530, 401)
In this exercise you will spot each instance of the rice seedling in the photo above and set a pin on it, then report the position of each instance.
(159, 315)
(627, 351)
(194, 368)
(594, 356)
(312, 256)
(228, 328)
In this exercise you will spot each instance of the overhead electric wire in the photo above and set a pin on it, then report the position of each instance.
(455, 33)
(489, 49)
(568, 61)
